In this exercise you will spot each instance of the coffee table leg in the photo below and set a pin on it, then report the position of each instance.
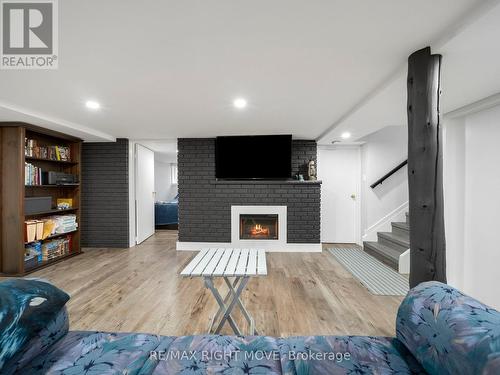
(242, 307)
(226, 299)
(227, 311)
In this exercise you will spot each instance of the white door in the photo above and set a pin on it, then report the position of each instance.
(339, 169)
(144, 193)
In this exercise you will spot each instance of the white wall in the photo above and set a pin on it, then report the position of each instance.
(165, 190)
(454, 196)
(472, 186)
(131, 192)
(382, 151)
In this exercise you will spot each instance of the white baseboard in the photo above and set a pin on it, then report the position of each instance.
(384, 224)
(404, 262)
(281, 248)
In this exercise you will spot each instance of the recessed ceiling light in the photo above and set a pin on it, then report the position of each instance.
(91, 104)
(240, 103)
(345, 135)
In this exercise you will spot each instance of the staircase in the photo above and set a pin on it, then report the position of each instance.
(390, 245)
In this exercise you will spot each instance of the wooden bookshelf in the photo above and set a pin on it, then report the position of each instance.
(13, 192)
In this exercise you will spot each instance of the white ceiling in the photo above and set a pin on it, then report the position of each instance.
(470, 73)
(168, 69)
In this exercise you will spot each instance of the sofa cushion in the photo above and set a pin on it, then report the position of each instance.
(26, 308)
(329, 355)
(449, 332)
(212, 354)
(95, 353)
(54, 330)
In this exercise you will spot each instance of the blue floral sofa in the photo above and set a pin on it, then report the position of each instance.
(439, 331)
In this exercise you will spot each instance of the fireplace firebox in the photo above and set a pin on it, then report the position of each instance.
(258, 227)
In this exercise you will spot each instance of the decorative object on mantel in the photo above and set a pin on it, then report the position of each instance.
(311, 170)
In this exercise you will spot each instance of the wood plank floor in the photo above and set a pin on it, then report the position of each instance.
(139, 290)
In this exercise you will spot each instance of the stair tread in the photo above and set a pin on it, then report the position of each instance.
(401, 224)
(387, 252)
(395, 238)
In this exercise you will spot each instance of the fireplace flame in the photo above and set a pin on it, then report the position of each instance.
(258, 229)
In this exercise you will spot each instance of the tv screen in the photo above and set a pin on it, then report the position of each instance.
(253, 157)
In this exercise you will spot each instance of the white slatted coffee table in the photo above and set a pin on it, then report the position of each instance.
(240, 264)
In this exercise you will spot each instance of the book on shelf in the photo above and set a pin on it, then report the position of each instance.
(32, 175)
(34, 150)
(65, 223)
(49, 250)
(56, 248)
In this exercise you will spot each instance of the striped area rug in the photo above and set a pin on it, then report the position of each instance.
(379, 278)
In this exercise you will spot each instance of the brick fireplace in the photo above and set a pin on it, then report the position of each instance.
(207, 206)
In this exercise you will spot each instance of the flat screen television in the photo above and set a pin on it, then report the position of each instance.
(264, 157)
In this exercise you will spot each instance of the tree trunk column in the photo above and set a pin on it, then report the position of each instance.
(425, 169)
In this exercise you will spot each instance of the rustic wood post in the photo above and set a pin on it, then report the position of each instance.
(425, 169)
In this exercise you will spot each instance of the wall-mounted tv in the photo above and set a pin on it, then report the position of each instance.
(267, 157)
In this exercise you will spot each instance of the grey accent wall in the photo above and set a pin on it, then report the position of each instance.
(205, 204)
(302, 152)
(105, 194)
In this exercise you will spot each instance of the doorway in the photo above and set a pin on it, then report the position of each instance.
(144, 193)
(339, 169)
(155, 196)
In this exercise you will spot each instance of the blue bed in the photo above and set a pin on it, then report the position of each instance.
(167, 212)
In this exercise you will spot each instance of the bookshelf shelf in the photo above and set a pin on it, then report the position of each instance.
(65, 162)
(13, 166)
(54, 236)
(52, 186)
(52, 212)
(50, 262)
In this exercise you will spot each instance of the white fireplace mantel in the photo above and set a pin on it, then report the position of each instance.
(279, 245)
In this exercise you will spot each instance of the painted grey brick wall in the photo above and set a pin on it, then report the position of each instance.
(302, 152)
(105, 213)
(205, 205)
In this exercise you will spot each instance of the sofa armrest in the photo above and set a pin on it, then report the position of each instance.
(27, 307)
(54, 331)
(449, 332)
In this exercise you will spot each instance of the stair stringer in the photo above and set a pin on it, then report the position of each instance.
(404, 262)
(384, 224)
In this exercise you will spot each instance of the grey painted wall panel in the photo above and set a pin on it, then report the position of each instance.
(205, 205)
(105, 194)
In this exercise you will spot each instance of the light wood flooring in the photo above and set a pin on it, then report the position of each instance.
(139, 290)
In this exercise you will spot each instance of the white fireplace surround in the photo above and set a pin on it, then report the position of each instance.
(279, 245)
(236, 211)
